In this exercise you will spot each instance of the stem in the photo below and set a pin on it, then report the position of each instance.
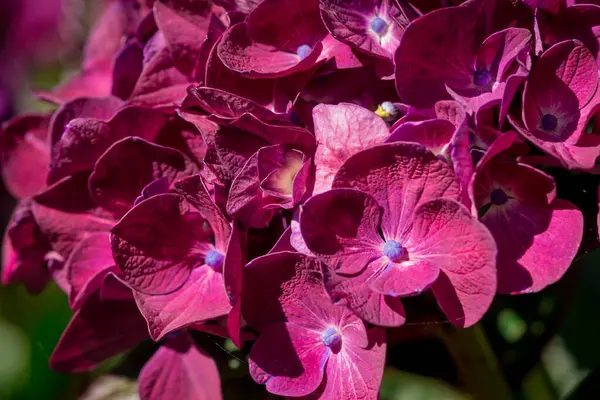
(476, 362)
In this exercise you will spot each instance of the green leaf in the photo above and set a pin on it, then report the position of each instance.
(400, 385)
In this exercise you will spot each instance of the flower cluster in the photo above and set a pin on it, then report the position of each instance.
(285, 172)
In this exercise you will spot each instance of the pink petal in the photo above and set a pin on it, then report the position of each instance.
(404, 279)
(229, 105)
(400, 177)
(373, 307)
(434, 134)
(180, 370)
(341, 131)
(435, 52)
(160, 84)
(238, 53)
(202, 297)
(288, 359)
(341, 227)
(540, 252)
(355, 373)
(87, 266)
(25, 154)
(103, 109)
(349, 23)
(444, 232)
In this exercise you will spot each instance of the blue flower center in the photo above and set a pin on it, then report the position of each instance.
(303, 51)
(549, 122)
(393, 250)
(331, 337)
(498, 197)
(214, 259)
(482, 77)
(379, 26)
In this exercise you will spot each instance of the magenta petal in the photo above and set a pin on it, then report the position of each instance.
(87, 266)
(399, 176)
(357, 373)
(128, 166)
(184, 25)
(103, 109)
(286, 24)
(25, 154)
(85, 139)
(237, 51)
(194, 190)
(263, 282)
(58, 227)
(341, 131)
(288, 359)
(201, 297)
(24, 250)
(91, 337)
(434, 134)
(434, 52)
(548, 254)
(229, 105)
(127, 69)
(444, 232)
(405, 279)
(283, 243)
(568, 63)
(180, 370)
(350, 22)
(500, 49)
(233, 269)
(246, 201)
(373, 307)
(341, 227)
(160, 262)
(160, 84)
